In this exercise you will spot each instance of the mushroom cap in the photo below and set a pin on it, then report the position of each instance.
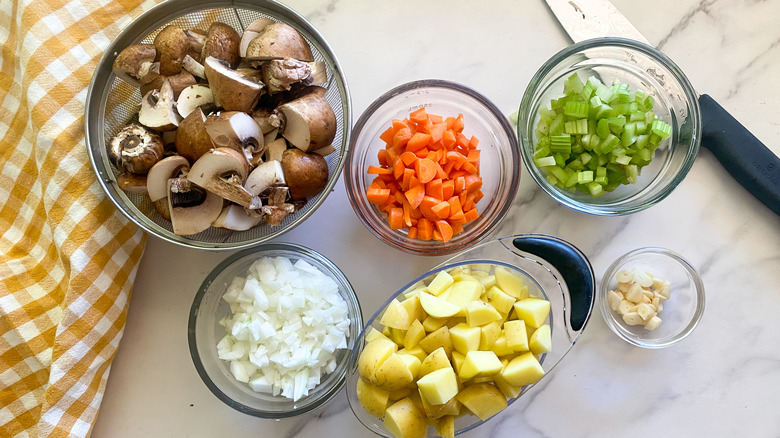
(197, 217)
(222, 171)
(236, 130)
(172, 46)
(134, 62)
(193, 97)
(178, 82)
(161, 172)
(310, 122)
(236, 218)
(192, 139)
(232, 91)
(305, 174)
(278, 40)
(222, 42)
(157, 109)
(135, 149)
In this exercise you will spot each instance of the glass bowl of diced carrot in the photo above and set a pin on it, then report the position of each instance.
(433, 167)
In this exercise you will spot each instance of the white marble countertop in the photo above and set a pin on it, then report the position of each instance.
(723, 380)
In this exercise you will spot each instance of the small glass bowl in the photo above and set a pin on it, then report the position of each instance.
(641, 67)
(204, 332)
(499, 158)
(681, 312)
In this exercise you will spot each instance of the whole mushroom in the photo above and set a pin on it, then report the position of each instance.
(172, 46)
(222, 42)
(306, 174)
(135, 149)
(134, 62)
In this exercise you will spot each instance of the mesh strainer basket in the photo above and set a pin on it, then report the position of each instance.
(111, 103)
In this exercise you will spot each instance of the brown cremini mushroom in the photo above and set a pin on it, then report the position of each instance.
(174, 166)
(135, 149)
(280, 74)
(232, 91)
(178, 82)
(134, 62)
(278, 41)
(172, 46)
(222, 42)
(236, 130)
(157, 109)
(192, 139)
(306, 174)
(237, 218)
(192, 97)
(309, 121)
(192, 210)
(222, 171)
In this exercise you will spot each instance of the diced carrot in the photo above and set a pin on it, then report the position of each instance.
(435, 188)
(419, 116)
(402, 137)
(382, 157)
(395, 218)
(424, 229)
(387, 136)
(398, 168)
(377, 195)
(415, 195)
(473, 183)
(408, 158)
(454, 205)
(448, 189)
(376, 170)
(426, 207)
(427, 180)
(442, 209)
(426, 170)
(418, 141)
(445, 229)
(448, 139)
(471, 215)
(437, 131)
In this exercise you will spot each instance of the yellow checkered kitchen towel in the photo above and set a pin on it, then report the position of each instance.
(68, 258)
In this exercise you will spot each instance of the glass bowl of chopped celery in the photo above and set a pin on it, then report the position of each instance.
(271, 330)
(433, 167)
(609, 126)
(651, 297)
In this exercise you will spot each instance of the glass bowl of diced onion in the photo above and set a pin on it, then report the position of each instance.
(651, 297)
(271, 330)
(609, 126)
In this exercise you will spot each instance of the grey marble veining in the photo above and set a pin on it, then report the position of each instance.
(723, 380)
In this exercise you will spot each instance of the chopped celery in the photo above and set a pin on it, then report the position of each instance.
(595, 137)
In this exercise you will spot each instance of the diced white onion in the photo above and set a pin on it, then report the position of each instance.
(288, 320)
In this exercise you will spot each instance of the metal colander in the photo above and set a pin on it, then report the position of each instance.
(111, 103)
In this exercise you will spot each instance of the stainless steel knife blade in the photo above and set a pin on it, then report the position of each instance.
(586, 19)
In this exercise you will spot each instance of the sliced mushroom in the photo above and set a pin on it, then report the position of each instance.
(236, 130)
(193, 66)
(132, 183)
(192, 211)
(280, 74)
(135, 149)
(134, 63)
(271, 136)
(277, 41)
(179, 82)
(157, 109)
(278, 195)
(197, 38)
(275, 150)
(305, 174)
(174, 166)
(327, 150)
(263, 177)
(193, 97)
(275, 214)
(309, 121)
(267, 119)
(232, 91)
(223, 171)
(222, 42)
(192, 138)
(237, 218)
(172, 46)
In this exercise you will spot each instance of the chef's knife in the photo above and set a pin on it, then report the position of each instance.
(743, 155)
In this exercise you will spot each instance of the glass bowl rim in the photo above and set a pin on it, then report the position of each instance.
(353, 306)
(526, 112)
(699, 295)
(514, 149)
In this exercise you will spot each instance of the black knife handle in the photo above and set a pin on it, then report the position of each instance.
(743, 155)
